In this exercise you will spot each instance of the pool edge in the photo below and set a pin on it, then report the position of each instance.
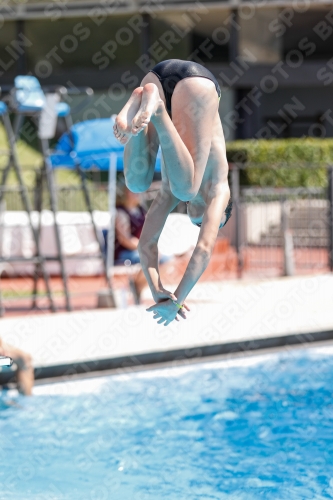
(135, 361)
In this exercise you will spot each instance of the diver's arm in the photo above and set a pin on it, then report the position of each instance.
(207, 237)
(163, 204)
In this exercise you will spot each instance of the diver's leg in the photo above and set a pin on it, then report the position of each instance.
(141, 150)
(123, 124)
(186, 140)
(139, 160)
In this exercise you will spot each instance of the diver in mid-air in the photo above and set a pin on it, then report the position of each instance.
(176, 107)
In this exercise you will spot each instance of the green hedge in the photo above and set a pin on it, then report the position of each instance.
(283, 162)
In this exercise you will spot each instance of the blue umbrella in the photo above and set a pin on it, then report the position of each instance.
(88, 144)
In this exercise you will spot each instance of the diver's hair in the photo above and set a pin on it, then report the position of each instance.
(228, 211)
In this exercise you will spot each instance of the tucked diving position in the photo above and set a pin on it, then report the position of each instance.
(176, 108)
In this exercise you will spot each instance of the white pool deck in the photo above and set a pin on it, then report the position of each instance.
(228, 313)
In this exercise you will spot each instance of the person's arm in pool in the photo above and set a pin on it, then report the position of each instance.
(25, 370)
(123, 231)
(218, 198)
(158, 213)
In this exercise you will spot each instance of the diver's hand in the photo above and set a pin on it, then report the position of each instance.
(163, 294)
(166, 311)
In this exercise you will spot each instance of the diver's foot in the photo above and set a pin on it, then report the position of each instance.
(150, 103)
(123, 124)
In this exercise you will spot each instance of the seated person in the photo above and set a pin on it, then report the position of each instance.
(129, 222)
(25, 370)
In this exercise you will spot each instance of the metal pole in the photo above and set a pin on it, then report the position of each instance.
(236, 207)
(38, 209)
(106, 298)
(13, 161)
(17, 125)
(112, 211)
(288, 244)
(12, 137)
(90, 210)
(53, 204)
(330, 217)
(2, 211)
(46, 130)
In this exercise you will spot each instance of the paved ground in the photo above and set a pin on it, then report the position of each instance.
(258, 263)
(221, 313)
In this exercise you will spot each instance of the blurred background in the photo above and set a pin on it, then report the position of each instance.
(69, 232)
(274, 65)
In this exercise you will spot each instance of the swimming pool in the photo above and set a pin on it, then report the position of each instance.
(258, 427)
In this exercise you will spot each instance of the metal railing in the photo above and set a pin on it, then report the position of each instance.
(69, 193)
(282, 231)
(70, 198)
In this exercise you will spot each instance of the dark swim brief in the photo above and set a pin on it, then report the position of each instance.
(172, 71)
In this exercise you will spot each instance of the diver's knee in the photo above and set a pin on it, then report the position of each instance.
(137, 185)
(183, 194)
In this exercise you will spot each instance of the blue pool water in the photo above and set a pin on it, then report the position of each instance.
(253, 428)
